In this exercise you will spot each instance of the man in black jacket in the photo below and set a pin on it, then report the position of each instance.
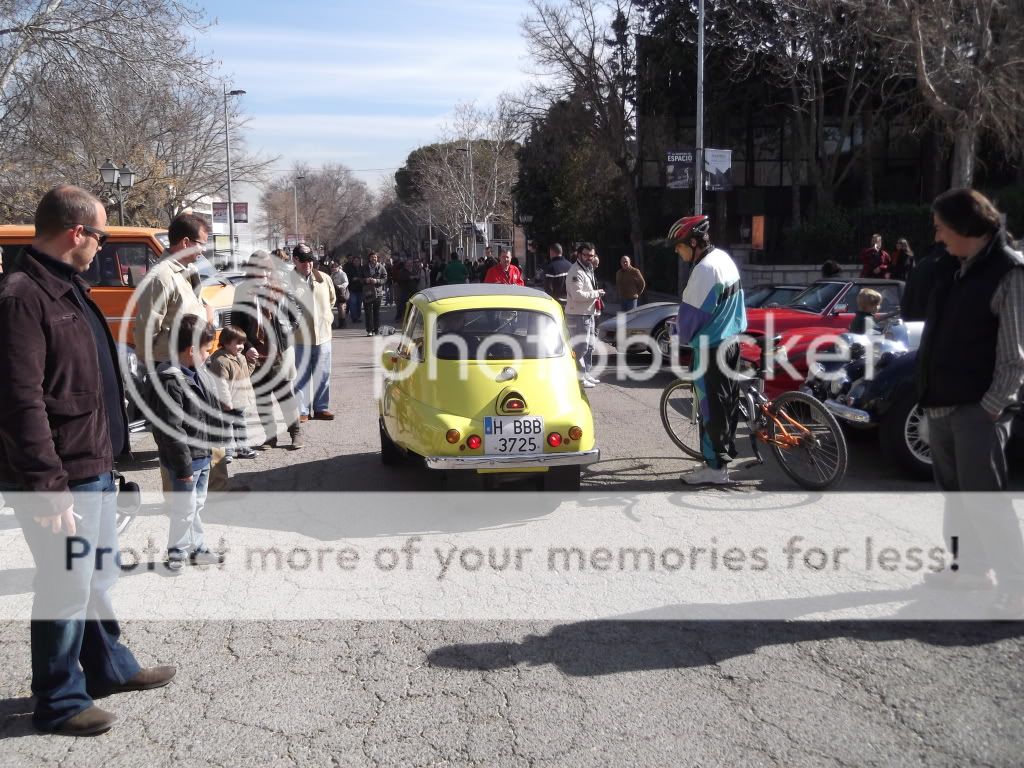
(62, 423)
(970, 373)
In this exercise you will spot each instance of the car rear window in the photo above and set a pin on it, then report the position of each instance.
(497, 334)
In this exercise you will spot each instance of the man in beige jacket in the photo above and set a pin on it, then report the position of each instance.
(315, 296)
(167, 294)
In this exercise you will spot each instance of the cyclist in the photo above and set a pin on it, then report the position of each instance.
(711, 316)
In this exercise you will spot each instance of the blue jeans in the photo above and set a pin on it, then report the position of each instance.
(582, 328)
(72, 616)
(628, 304)
(184, 507)
(355, 305)
(313, 365)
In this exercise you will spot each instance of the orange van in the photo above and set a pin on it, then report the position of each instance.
(117, 269)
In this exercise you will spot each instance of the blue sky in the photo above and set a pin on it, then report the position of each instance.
(363, 83)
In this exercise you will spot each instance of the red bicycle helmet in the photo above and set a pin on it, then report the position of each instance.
(687, 227)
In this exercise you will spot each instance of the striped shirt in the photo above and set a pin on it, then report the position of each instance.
(1008, 377)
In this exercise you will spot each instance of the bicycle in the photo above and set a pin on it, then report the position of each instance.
(804, 436)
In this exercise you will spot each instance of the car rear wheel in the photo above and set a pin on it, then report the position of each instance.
(663, 341)
(390, 454)
(562, 479)
(904, 437)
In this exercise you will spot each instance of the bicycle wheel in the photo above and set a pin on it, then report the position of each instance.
(812, 451)
(680, 417)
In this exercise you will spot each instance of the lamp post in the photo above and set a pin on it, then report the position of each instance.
(468, 149)
(295, 195)
(121, 179)
(227, 150)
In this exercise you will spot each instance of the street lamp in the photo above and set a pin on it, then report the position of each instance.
(468, 149)
(295, 195)
(121, 179)
(227, 149)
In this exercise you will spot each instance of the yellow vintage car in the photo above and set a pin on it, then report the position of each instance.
(481, 378)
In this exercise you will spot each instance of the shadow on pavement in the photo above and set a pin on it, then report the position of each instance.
(606, 647)
(16, 718)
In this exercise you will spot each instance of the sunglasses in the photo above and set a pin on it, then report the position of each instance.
(99, 234)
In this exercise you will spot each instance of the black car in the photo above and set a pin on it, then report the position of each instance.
(886, 402)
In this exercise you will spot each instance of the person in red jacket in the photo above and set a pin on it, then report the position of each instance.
(875, 262)
(504, 272)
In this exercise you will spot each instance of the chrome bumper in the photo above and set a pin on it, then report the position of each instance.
(512, 463)
(846, 413)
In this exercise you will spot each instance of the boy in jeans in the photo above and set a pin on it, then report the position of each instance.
(186, 423)
(231, 370)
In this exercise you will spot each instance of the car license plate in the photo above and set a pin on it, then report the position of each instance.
(513, 434)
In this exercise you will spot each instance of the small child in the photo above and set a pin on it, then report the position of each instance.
(868, 302)
(183, 424)
(231, 370)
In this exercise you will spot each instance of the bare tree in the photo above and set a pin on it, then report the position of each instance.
(68, 122)
(586, 49)
(822, 54)
(331, 203)
(87, 37)
(468, 174)
(967, 57)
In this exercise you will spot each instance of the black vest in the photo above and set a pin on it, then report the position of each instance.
(958, 349)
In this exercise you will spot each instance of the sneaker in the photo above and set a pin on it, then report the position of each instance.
(591, 379)
(228, 458)
(206, 557)
(175, 560)
(248, 453)
(705, 475)
(369, 333)
(587, 384)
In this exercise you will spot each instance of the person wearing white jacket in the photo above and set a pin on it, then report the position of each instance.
(582, 305)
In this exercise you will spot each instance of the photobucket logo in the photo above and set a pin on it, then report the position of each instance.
(269, 311)
(787, 357)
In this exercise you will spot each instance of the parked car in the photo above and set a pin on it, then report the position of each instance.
(482, 379)
(825, 308)
(644, 328)
(885, 400)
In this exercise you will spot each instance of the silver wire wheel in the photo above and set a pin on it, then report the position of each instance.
(681, 417)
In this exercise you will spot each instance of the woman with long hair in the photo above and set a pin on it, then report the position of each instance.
(902, 263)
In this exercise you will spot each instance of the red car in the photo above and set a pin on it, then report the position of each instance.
(827, 306)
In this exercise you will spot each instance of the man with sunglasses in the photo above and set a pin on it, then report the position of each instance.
(169, 291)
(62, 424)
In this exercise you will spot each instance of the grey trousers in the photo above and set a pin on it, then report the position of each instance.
(969, 456)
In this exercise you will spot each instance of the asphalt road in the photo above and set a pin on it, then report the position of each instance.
(540, 693)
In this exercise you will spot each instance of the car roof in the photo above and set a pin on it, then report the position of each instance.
(29, 230)
(465, 290)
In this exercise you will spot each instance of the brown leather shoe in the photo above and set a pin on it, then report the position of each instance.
(145, 679)
(89, 722)
(324, 416)
(303, 419)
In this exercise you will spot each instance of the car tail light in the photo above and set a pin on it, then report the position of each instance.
(473, 442)
(575, 433)
(512, 404)
(554, 439)
(453, 436)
